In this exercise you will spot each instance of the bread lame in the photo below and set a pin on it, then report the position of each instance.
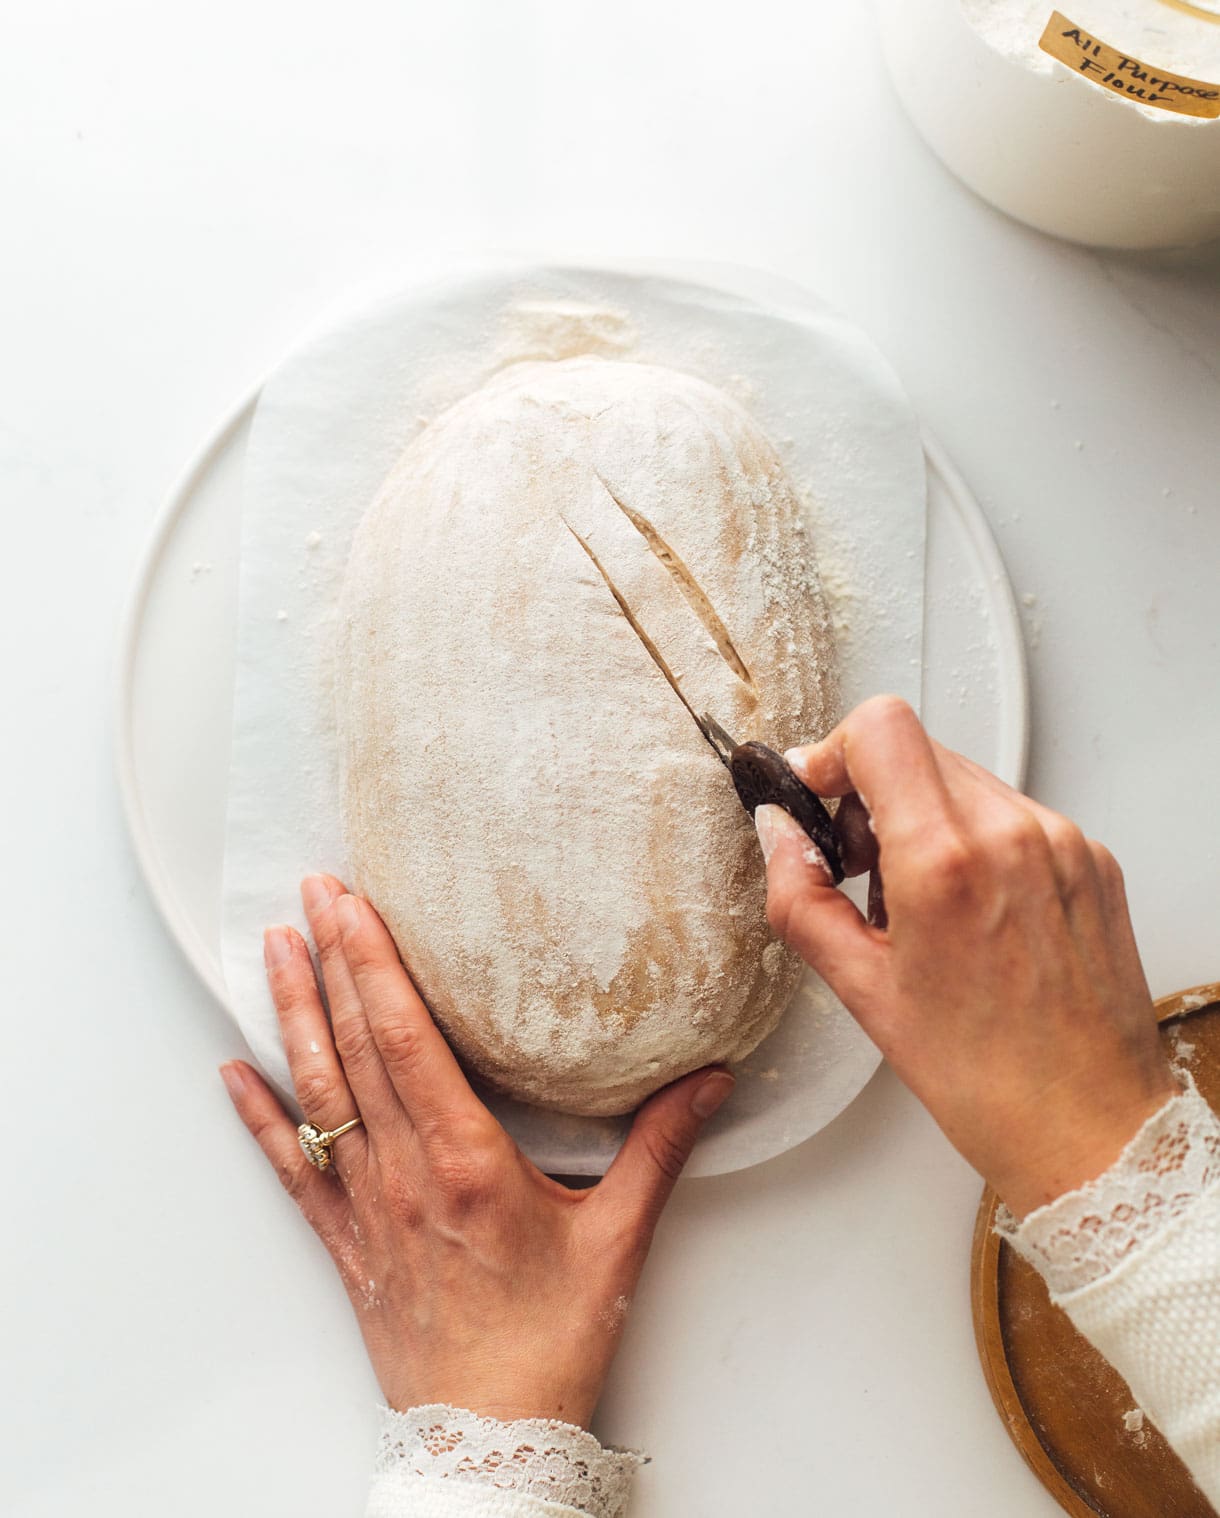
(764, 778)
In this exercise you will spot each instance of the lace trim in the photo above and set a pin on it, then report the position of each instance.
(1082, 1235)
(554, 1461)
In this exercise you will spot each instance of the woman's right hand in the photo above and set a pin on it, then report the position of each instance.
(1006, 989)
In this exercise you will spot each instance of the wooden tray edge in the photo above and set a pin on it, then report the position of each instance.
(985, 1304)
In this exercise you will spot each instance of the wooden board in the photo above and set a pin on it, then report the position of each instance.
(1068, 1412)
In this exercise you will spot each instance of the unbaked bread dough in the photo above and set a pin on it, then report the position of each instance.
(555, 571)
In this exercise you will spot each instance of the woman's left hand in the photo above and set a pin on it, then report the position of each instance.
(477, 1280)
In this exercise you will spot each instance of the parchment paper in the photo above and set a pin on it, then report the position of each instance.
(331, 421)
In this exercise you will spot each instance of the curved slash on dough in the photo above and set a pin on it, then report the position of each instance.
(654, 653)
(696, 596)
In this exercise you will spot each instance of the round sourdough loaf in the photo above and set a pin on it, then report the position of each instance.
(557, 572)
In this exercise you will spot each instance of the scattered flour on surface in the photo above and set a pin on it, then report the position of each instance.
(1182, 1052)
(612, 1317)
(559, 329)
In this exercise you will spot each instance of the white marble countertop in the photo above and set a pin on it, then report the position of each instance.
(183, 188)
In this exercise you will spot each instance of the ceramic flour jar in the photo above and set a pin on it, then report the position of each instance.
(1100, 123)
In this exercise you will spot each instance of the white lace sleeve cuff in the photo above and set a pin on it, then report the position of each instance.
(1081, 1236)
(439, 1462)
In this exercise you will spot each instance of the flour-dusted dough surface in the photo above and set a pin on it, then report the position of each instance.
(559, 855)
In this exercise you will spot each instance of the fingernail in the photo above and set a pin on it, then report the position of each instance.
(234, 1078)
(773, 824)
(347, 910)
(797, 758)
(813, 856)
(711, 1094)
(277, 946)
(315, 894)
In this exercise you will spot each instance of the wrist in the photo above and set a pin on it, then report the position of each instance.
(507, 1399)
(1068, 1149)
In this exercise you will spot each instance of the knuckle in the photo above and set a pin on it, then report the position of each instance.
(779, 913)
(353, 1043)
(400, 1042)
(469, 1170)
(295, 1177)
(359, 949)
(473, 1130)
(950, 867)
(1019, 839)
(1073, 860)
(666, 1151)
(466, 1180)
(315, 1092)
(1066, 839)
(403, 1201)
(889, 711)
(1108, 868)
(293, 986)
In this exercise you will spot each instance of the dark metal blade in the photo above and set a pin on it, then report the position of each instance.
(722, 744)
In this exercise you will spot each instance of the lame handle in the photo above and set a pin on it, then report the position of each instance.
(763, 778)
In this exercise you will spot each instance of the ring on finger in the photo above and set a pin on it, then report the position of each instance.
(316, 1142)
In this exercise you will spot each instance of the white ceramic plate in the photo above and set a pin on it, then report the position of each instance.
(177, 669)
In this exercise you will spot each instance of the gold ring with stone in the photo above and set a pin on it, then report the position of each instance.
(315, 1142)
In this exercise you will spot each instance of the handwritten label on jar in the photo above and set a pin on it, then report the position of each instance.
(1121, 74)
